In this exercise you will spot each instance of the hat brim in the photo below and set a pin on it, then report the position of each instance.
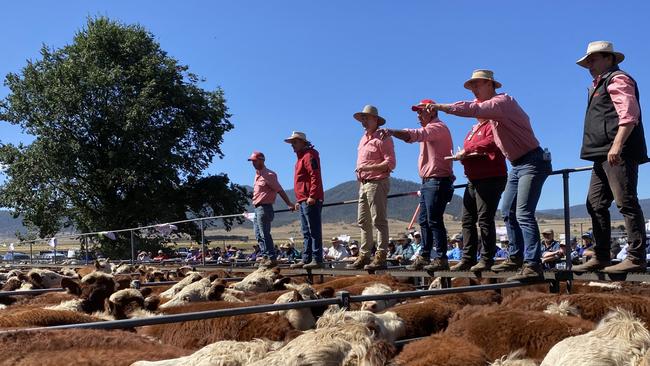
(288, 140)
(380, 120)
(497, 84)
(619, 57)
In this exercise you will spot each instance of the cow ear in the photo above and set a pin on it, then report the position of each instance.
(97, 265)
(151, 303)
(109, 307)
(295, 297)
(216, 291)
(279, 284)
(213, 276)
(71, 286)
(326, 293)
(276, 270)
(146, 291)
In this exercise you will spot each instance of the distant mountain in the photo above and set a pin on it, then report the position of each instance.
(580, 211)
(9, 225)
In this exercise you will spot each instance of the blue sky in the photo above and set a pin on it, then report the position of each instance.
(308, 66)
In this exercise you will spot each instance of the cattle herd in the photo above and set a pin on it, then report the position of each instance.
(597, 324)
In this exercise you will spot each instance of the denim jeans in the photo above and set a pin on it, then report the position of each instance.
(434, 196)
(523, 189)
(262, 225)
(310, 221)
(616, 183)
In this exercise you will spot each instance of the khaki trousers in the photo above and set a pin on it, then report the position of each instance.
(372, 215)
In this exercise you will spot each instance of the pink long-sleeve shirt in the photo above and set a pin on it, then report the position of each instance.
(373, 150)
(435, 144)
(513, 133)
(621, 89)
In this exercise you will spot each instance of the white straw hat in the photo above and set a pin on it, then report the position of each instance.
(482, 74)
(600, 46)
(372, 111)
(296, 135)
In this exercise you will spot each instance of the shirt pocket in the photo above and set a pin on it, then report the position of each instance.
(371, 152)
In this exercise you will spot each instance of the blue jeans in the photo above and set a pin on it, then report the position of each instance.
(523, 189)
(434, 196)
(262, 225)
(312, 231)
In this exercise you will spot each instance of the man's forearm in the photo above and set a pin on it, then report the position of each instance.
(624, 131)
(401, 134)
(284, 197)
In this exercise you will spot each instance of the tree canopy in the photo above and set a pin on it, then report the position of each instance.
(123, 134)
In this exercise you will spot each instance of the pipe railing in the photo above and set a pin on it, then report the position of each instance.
(343, 299)
(84, 236)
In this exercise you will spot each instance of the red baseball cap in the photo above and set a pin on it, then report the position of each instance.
(256, 155)
(420, 106)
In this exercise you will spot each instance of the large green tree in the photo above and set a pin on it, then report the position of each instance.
(123, 134)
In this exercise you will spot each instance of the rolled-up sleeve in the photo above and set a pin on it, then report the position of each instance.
(388, 150)
(622, 90)
(489, 109)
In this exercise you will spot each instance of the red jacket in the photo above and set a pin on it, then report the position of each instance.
(491, 162)
(307, 181)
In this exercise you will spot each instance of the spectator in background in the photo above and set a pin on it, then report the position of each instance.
(552, 251)
(502, 251)
(256, 254)
(161, 256)
(288, 253)
(586, 249)
(392, 251)
(337, 251)
(143, 257)
(404, 250)
(456, 252)
(354, 252)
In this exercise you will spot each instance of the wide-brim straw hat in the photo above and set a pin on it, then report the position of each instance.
(482, 74)
(369, 110)
(296, 135)
(600, 46)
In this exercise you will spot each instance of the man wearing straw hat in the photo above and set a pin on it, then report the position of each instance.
(614, 141)
(265, 189)
(308, 187)
(531, 166)
(375, 161)
(437, 184)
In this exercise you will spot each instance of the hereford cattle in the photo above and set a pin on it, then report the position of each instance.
(262, 280)
(303, 318)
(498, 330)
(619, 339)
(441, 349)
(81, 347)
(191, 277)
(346, 343)
(230, 353)
(592, 306)
(197, 334)
(378, 305)
(37, 317)
(339, 284)
(202, 290)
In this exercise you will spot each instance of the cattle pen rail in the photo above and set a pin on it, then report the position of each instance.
(342, 299)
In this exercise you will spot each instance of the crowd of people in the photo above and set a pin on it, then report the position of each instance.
(613, 141)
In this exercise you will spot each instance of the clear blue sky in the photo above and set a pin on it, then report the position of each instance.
(308, 65)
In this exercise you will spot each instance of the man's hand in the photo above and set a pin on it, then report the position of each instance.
(311, 201)
(360, 169)
(460, 155)
(614, 155)
(296, 207)
(291, 206)
(432, 107)
(384, 133)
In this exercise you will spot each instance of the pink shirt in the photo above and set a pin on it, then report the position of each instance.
(266, 187)
(511, 126)
(622, 91)
(435, 144)
(373, 150)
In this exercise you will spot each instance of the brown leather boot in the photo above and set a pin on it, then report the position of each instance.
(359, 263)
(529, 272)
(594, 264)
(418, 264)
(379, 262)
(627, 265)
(482, 265)
(510, 264)
(437, 264)
(463, 265)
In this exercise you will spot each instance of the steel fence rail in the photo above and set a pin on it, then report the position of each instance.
(343, 299)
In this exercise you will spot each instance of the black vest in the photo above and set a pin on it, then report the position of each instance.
(601, 125)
